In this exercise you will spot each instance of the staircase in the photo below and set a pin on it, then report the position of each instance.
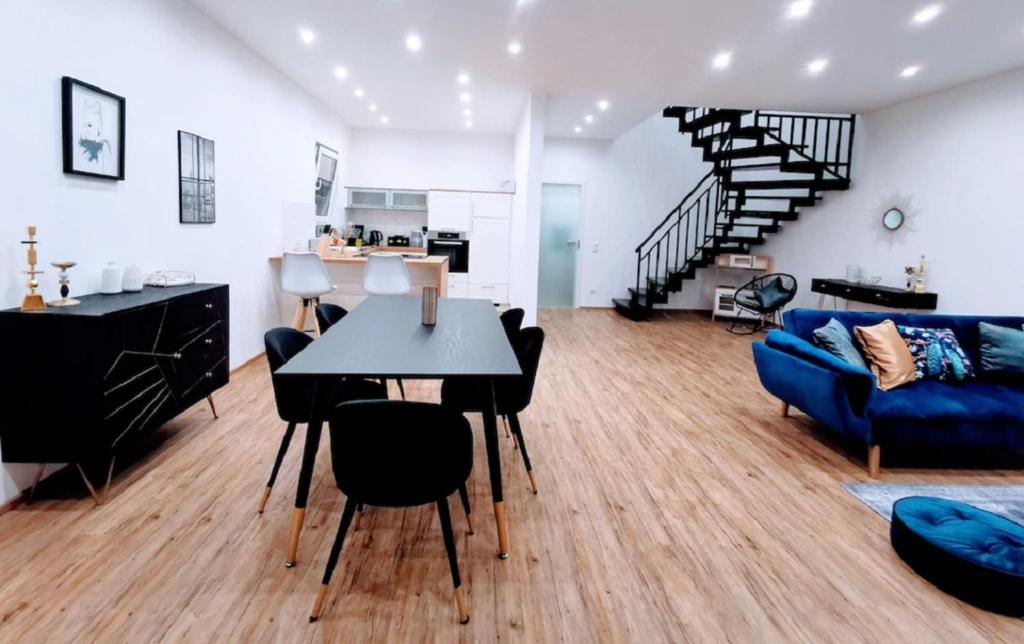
(766, 165)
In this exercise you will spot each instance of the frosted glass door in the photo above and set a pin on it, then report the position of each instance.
(559, 245)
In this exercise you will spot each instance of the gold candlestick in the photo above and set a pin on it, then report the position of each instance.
(33, 301)
(64, 279)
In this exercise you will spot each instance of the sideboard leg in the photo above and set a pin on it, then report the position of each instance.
(213, 407)
(88, 484)
(110, 475)
(35, 481)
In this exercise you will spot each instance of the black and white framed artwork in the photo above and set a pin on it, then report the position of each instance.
(197, 202)
(326, 169)
(93, 130)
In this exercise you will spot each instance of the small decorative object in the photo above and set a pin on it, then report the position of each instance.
(64, 279)
(917, 276)
(110, 281)
(196, 194)
(429, 305)
(170, 278)
(33, 301)
(132, 280)
(854, 273)
(93, 130)
(896, 220)
(326, 168)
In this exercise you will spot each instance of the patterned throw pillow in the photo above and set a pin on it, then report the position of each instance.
(937, 354)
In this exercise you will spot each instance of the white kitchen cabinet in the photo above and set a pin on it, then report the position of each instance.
(488, 251)
(408, 200)
(497, 293)
(449, 210)
(368, 198)
(492, 205)
(458, 285)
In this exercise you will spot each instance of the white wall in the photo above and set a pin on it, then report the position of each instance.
(958, 154)
(177, 71)
(525, 223)
(384, 158)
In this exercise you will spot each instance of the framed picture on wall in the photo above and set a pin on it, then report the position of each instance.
(197, 203)
(326, 169)
(92, 121)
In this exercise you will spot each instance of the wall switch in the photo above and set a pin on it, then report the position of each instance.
(596, 247)
(593, 291)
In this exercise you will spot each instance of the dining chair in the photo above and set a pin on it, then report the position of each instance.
(294, 397)
(511, 395)
(305, 276)
(327, 315)
(386, 274)
(512, 321)
(417, 453)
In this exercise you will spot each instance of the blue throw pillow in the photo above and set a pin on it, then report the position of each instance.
(772, 295)
(937, 354)
(1001, 349)
(834, 338)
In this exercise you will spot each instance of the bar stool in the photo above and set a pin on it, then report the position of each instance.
(386, 274)
(398, 455)
(305, 276)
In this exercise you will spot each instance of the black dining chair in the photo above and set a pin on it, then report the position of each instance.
(294, 397)
(417, 453)
(512, 395)
(512, 321)
(327, 315)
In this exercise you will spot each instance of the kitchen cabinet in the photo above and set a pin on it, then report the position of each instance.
(449, 210)
(458, 285)
(492, 205)
(387, 199)
(497, 293)
(367, 198)
(488, 251)
(408, 200)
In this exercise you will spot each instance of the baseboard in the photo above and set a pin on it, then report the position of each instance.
(255, 358)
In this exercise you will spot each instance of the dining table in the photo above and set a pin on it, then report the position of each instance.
(384, 337)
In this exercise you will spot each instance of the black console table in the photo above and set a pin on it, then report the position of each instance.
(81, 380)
(895, 298)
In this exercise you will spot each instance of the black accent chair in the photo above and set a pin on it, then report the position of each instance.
(417, 453)
(294, 397)
(764, 296)
(327, 315)
(512, 320)
(512, 395)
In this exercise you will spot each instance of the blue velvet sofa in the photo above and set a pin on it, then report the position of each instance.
(977, 413)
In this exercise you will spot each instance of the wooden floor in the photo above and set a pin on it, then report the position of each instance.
(675, 505)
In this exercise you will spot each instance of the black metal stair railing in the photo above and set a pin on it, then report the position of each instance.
(825, 138)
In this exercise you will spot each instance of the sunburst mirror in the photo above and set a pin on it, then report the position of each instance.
(894, 217)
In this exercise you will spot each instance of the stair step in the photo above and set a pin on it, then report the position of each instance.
(711, 118)
(625, 308)
(658, 296)
(752, 152)
(747, 132)
(773, 184)
(678, 112)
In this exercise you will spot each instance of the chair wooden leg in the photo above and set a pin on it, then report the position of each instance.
(299, 319)
(316, 321)
(453, 563)
(464, 496)
(213, 408)
(785, 409)
(874, 460)
(281, 451)
(517, 431)
(332, 559)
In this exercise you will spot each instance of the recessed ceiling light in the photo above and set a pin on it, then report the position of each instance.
(589, 118)
(799, 9)
(463, 78)
(373, 107)
(359, 92)
(577, 129)
(340, 72)
(722, 60)
(514, 48)
(413, 42)
(465, 97)
(469, 123)
(927, 14)
(817, 65)
(307, 36)
(467, 112)
(603, 105)
(910, 71)
(385, 120)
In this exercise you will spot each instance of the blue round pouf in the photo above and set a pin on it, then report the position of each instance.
(969, 553)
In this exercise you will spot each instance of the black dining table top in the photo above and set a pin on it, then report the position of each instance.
(384, 337)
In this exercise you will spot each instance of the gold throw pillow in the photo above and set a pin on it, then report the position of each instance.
(887, 353)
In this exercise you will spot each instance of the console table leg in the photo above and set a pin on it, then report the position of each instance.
(35, 481)
(110, 475)
(88, 484)
(213, 407)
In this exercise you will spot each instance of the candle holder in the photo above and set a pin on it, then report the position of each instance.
(429, 311)
(64, 279)
(33, 301)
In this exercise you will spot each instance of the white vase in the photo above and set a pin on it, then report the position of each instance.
(132, 280)
(110, 282)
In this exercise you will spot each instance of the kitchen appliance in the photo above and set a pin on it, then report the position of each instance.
(398, 240)
(353, 232)
(416, 239)
(451, 245)
(376, 238)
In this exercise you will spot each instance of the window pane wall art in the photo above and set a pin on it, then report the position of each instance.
(196, 195)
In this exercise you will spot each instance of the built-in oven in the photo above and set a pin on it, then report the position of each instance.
(454, 246)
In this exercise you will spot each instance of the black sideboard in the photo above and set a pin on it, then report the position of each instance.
(895, 298)
(81, 380)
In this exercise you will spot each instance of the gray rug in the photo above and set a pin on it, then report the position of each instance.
(1004, 500)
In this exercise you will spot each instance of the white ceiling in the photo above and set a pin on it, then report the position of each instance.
(639, 54)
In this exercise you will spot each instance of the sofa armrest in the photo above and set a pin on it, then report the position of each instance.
(859, 382)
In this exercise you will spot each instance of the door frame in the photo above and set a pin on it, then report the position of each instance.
(580, 223)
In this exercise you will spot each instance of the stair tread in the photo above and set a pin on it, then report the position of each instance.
(754, 151)
(769, 184)
(709, 119)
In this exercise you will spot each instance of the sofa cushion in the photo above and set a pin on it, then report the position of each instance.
(887, 354)
(934, 400)
(1002, 351)
(834, 338)
(937, 354)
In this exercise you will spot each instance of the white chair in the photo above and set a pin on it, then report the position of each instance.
(305, 276)
(386, 274)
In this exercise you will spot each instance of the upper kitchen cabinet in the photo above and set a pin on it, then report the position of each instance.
(449, 210)
(386, 199)
(409, 200)
(367, 198)
(492, 205)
